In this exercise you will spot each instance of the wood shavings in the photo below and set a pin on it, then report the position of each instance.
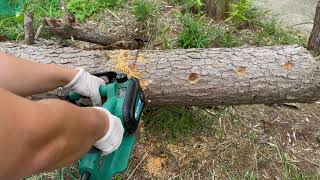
(122, 63)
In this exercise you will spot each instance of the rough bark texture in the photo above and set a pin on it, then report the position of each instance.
(314, 40)
(28, 28)
(217, 9)
(199, 76)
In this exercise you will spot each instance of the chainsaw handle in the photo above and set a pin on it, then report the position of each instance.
(73, 96)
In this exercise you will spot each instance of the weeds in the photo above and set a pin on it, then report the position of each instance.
(83, 9)
(224, 38)
(270, 34)
(12, 27)
(179, 122)
(144, 10)
(292, 171)
(162, 39)
(191, 6)
(244, 15)
(194, 33)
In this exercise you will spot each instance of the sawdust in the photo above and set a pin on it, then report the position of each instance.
(125, 62)
(177, 151)
(154, 166)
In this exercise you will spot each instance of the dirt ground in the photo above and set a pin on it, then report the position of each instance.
(264, 142)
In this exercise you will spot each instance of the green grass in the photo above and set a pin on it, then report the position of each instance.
(224, 38)
(190, 6)
(244, 15)
(292, 171)
(12, 27)
(271, 34)
(174, 123)
(144, 10)
(194, 33)
(161, 37)
(83, 9)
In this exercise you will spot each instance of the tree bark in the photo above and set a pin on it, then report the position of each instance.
(28, 28)
(217, 9)
(314, 39)
(201, 77)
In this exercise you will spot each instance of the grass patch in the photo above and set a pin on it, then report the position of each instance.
(174, 123)
(260, 30)
(292, 171)
(190, 6)
(244, 15)
(224, 38)
(270, 34)
(194, 33)
(12, 27)
(144, 10)
(82, 9)
(161, 37)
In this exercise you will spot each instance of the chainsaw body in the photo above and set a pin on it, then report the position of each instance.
(124, 99)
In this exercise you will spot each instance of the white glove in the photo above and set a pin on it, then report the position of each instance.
(113, 138)
(87, 85)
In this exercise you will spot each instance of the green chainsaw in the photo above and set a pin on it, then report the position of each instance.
(123, 97)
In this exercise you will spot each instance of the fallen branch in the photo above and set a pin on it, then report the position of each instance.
(40, 29)
(266, 75)
(58, 29)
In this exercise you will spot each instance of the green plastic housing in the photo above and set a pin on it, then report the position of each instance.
(104, 167)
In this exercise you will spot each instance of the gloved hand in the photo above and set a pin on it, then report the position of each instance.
(87, 85)
(113, 138)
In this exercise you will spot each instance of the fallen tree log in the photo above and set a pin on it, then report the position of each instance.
(202, 77)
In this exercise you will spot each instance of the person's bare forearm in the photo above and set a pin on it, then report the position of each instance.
(43, 135)
(26, 78)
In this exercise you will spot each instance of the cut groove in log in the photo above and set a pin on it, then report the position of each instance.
(201, 77)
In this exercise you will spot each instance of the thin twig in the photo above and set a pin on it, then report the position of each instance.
(213, 172)
(134, 170)
(114, 15)
(307, 160)
(41, 28)
(299, 24)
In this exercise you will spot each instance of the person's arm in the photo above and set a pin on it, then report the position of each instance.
(43, 135)
(27, 78)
